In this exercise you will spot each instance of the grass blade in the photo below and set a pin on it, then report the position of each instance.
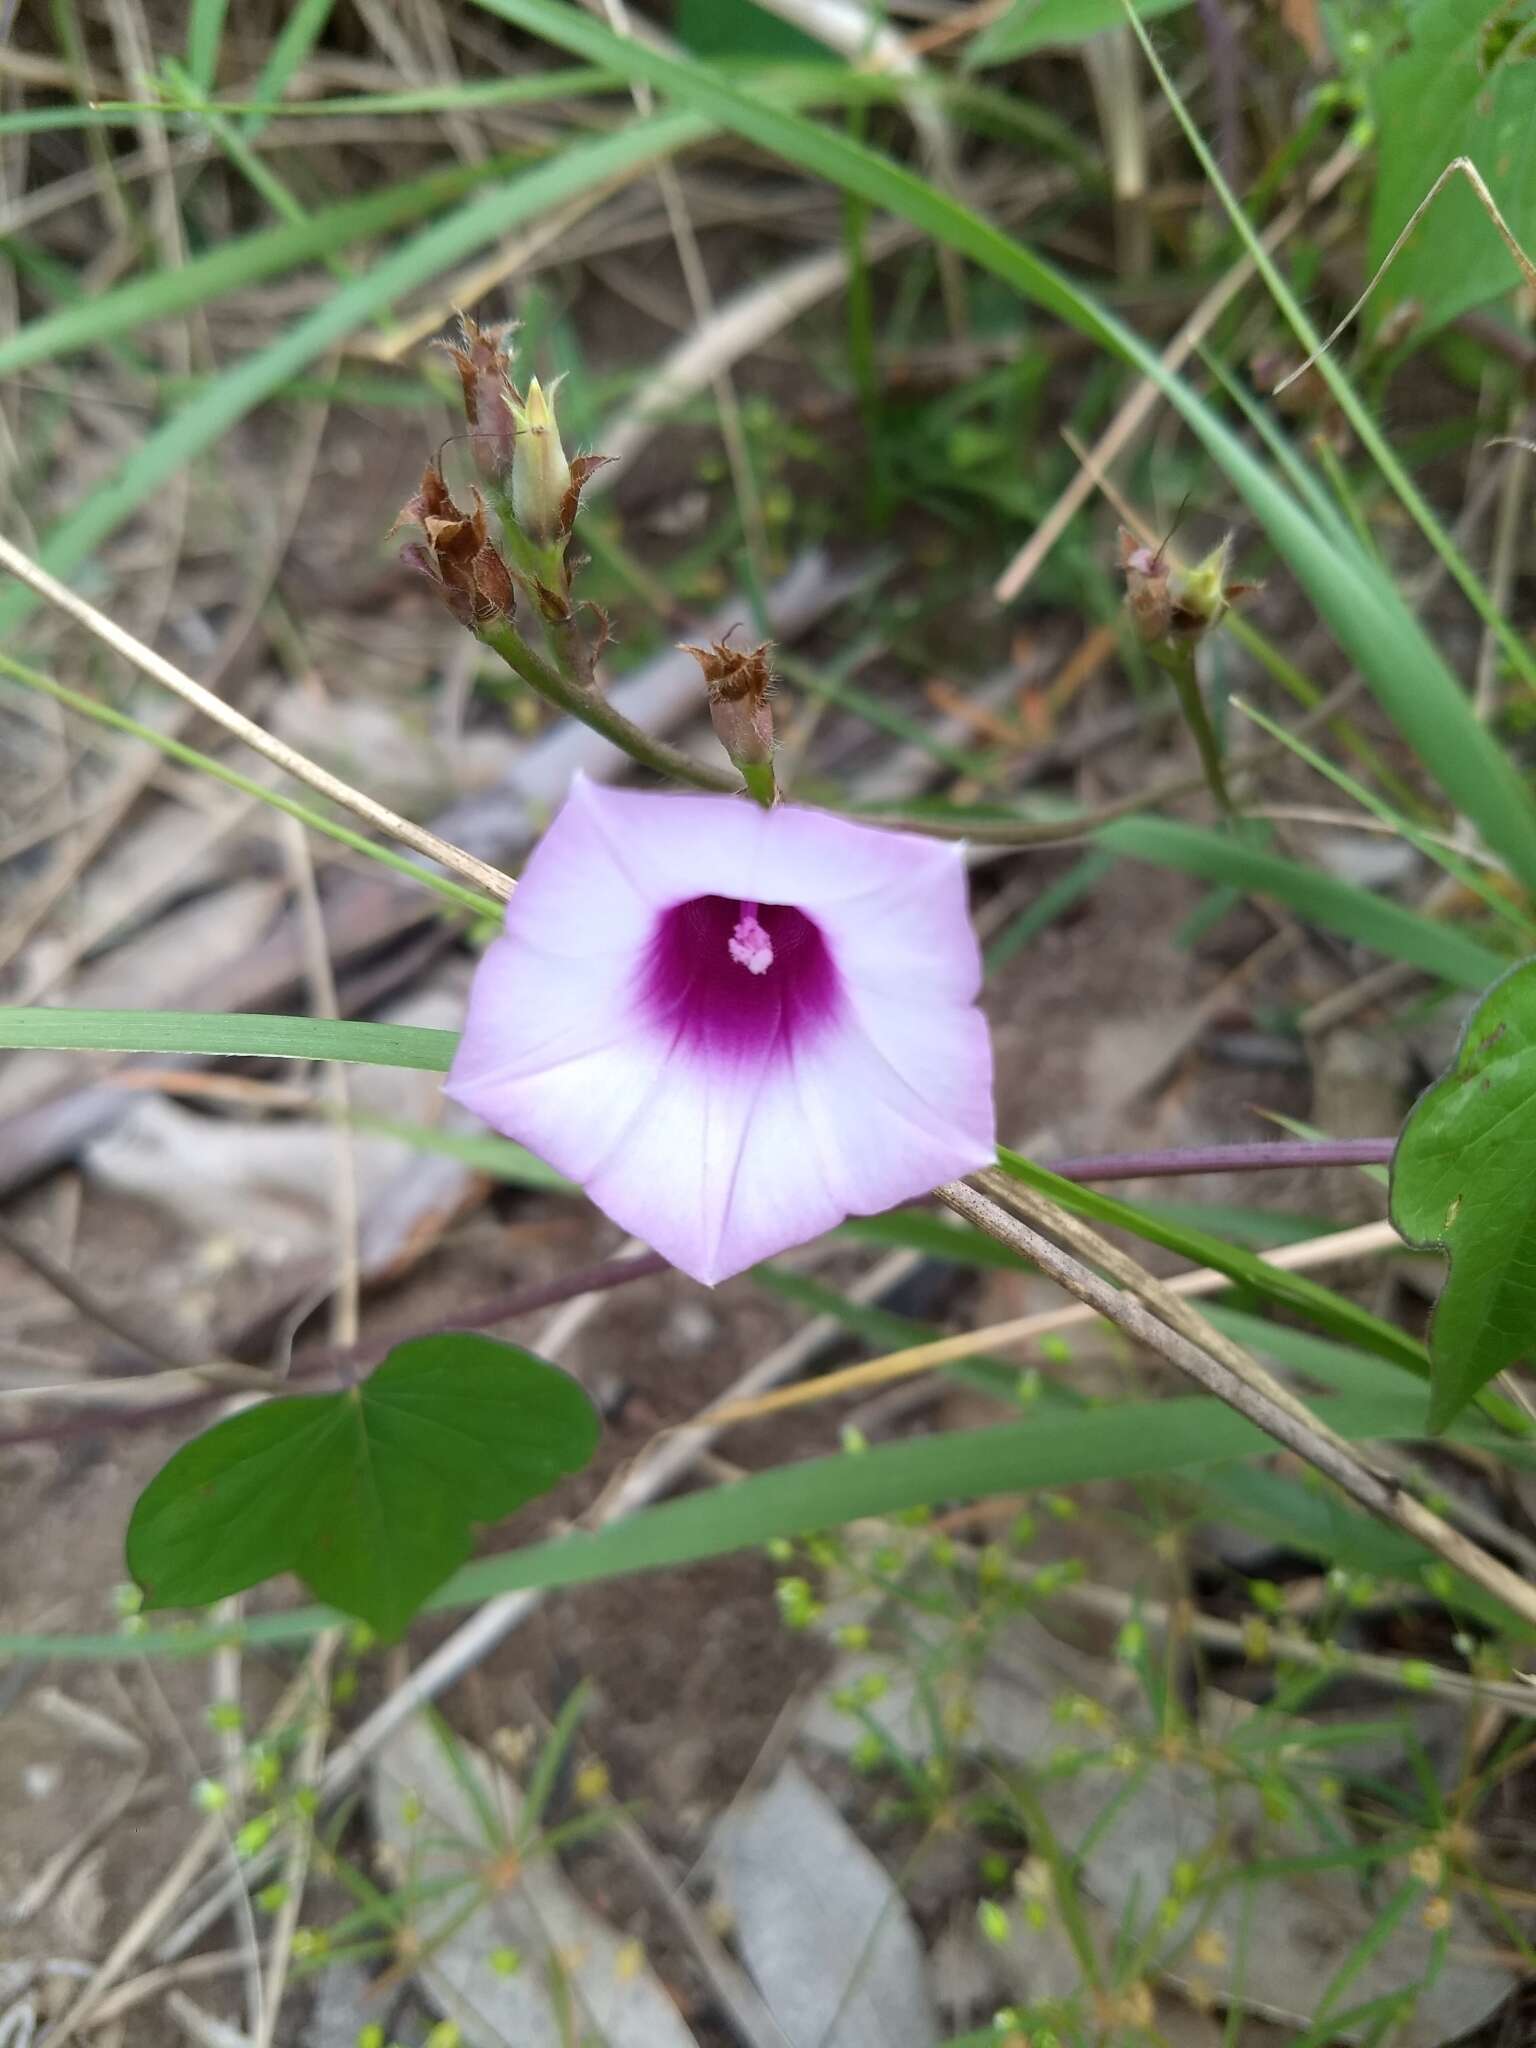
(1474, 880)
(246, 1036)
(1338, 906)
(235, 265)
(1318, 1304)
(205, 32)
(303, 28)
(317, 821)
(1353, 407)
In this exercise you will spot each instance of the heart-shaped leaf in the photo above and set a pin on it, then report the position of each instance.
(369, 1495)
(1462, 1181)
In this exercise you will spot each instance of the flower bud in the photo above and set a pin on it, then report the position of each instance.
(1200, 598)
(546, 488)
(541, 476)
(1177, 605)
(484, 363)
(738, 682)
(458, 558)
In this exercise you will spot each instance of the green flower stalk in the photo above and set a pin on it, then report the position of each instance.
(1173, 610)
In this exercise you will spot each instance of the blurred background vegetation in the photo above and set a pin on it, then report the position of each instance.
(893, 316)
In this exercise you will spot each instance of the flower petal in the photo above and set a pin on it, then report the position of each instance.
(677, 847)
(725, 1166)
(910, 939)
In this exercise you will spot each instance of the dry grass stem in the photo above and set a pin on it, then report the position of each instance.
(1244, 1391)
(1145, 396)
(1338, 1246)
(378, 815)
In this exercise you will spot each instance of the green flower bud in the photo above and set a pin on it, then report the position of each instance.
(541, 476)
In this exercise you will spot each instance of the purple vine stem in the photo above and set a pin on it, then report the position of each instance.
(1256, 1158)
(1253, 1158)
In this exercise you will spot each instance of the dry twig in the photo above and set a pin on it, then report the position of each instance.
(1240, 1382)
(106, 630)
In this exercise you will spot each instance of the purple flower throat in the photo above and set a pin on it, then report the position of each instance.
(734, 979)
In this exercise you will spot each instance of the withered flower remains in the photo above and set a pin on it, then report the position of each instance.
(458, 557)
(738, 680)
(1172, 604)
(484, 363)
(534, 491)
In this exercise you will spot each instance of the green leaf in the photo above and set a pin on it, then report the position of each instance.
(1462, 1182)
(738, 28)
(369, 1495)
(1337, 906)
(1465, 86)
(246, 1036)
(1044, 24)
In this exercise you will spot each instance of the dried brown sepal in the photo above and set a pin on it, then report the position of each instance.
(603, 635)
(734, 674)
(459, 558)
(580, 644)
(554, 605)
(582, 469)
(738, 681)
(484, 363)
(430, 500)
(1147, 595)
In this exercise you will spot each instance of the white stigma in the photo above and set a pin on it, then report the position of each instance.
(751, 946)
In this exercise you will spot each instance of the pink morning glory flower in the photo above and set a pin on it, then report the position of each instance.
(733, 1026)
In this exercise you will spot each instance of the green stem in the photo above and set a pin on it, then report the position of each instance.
(1178, 662)
(596, 711)
(574, 657)
(759, 778)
